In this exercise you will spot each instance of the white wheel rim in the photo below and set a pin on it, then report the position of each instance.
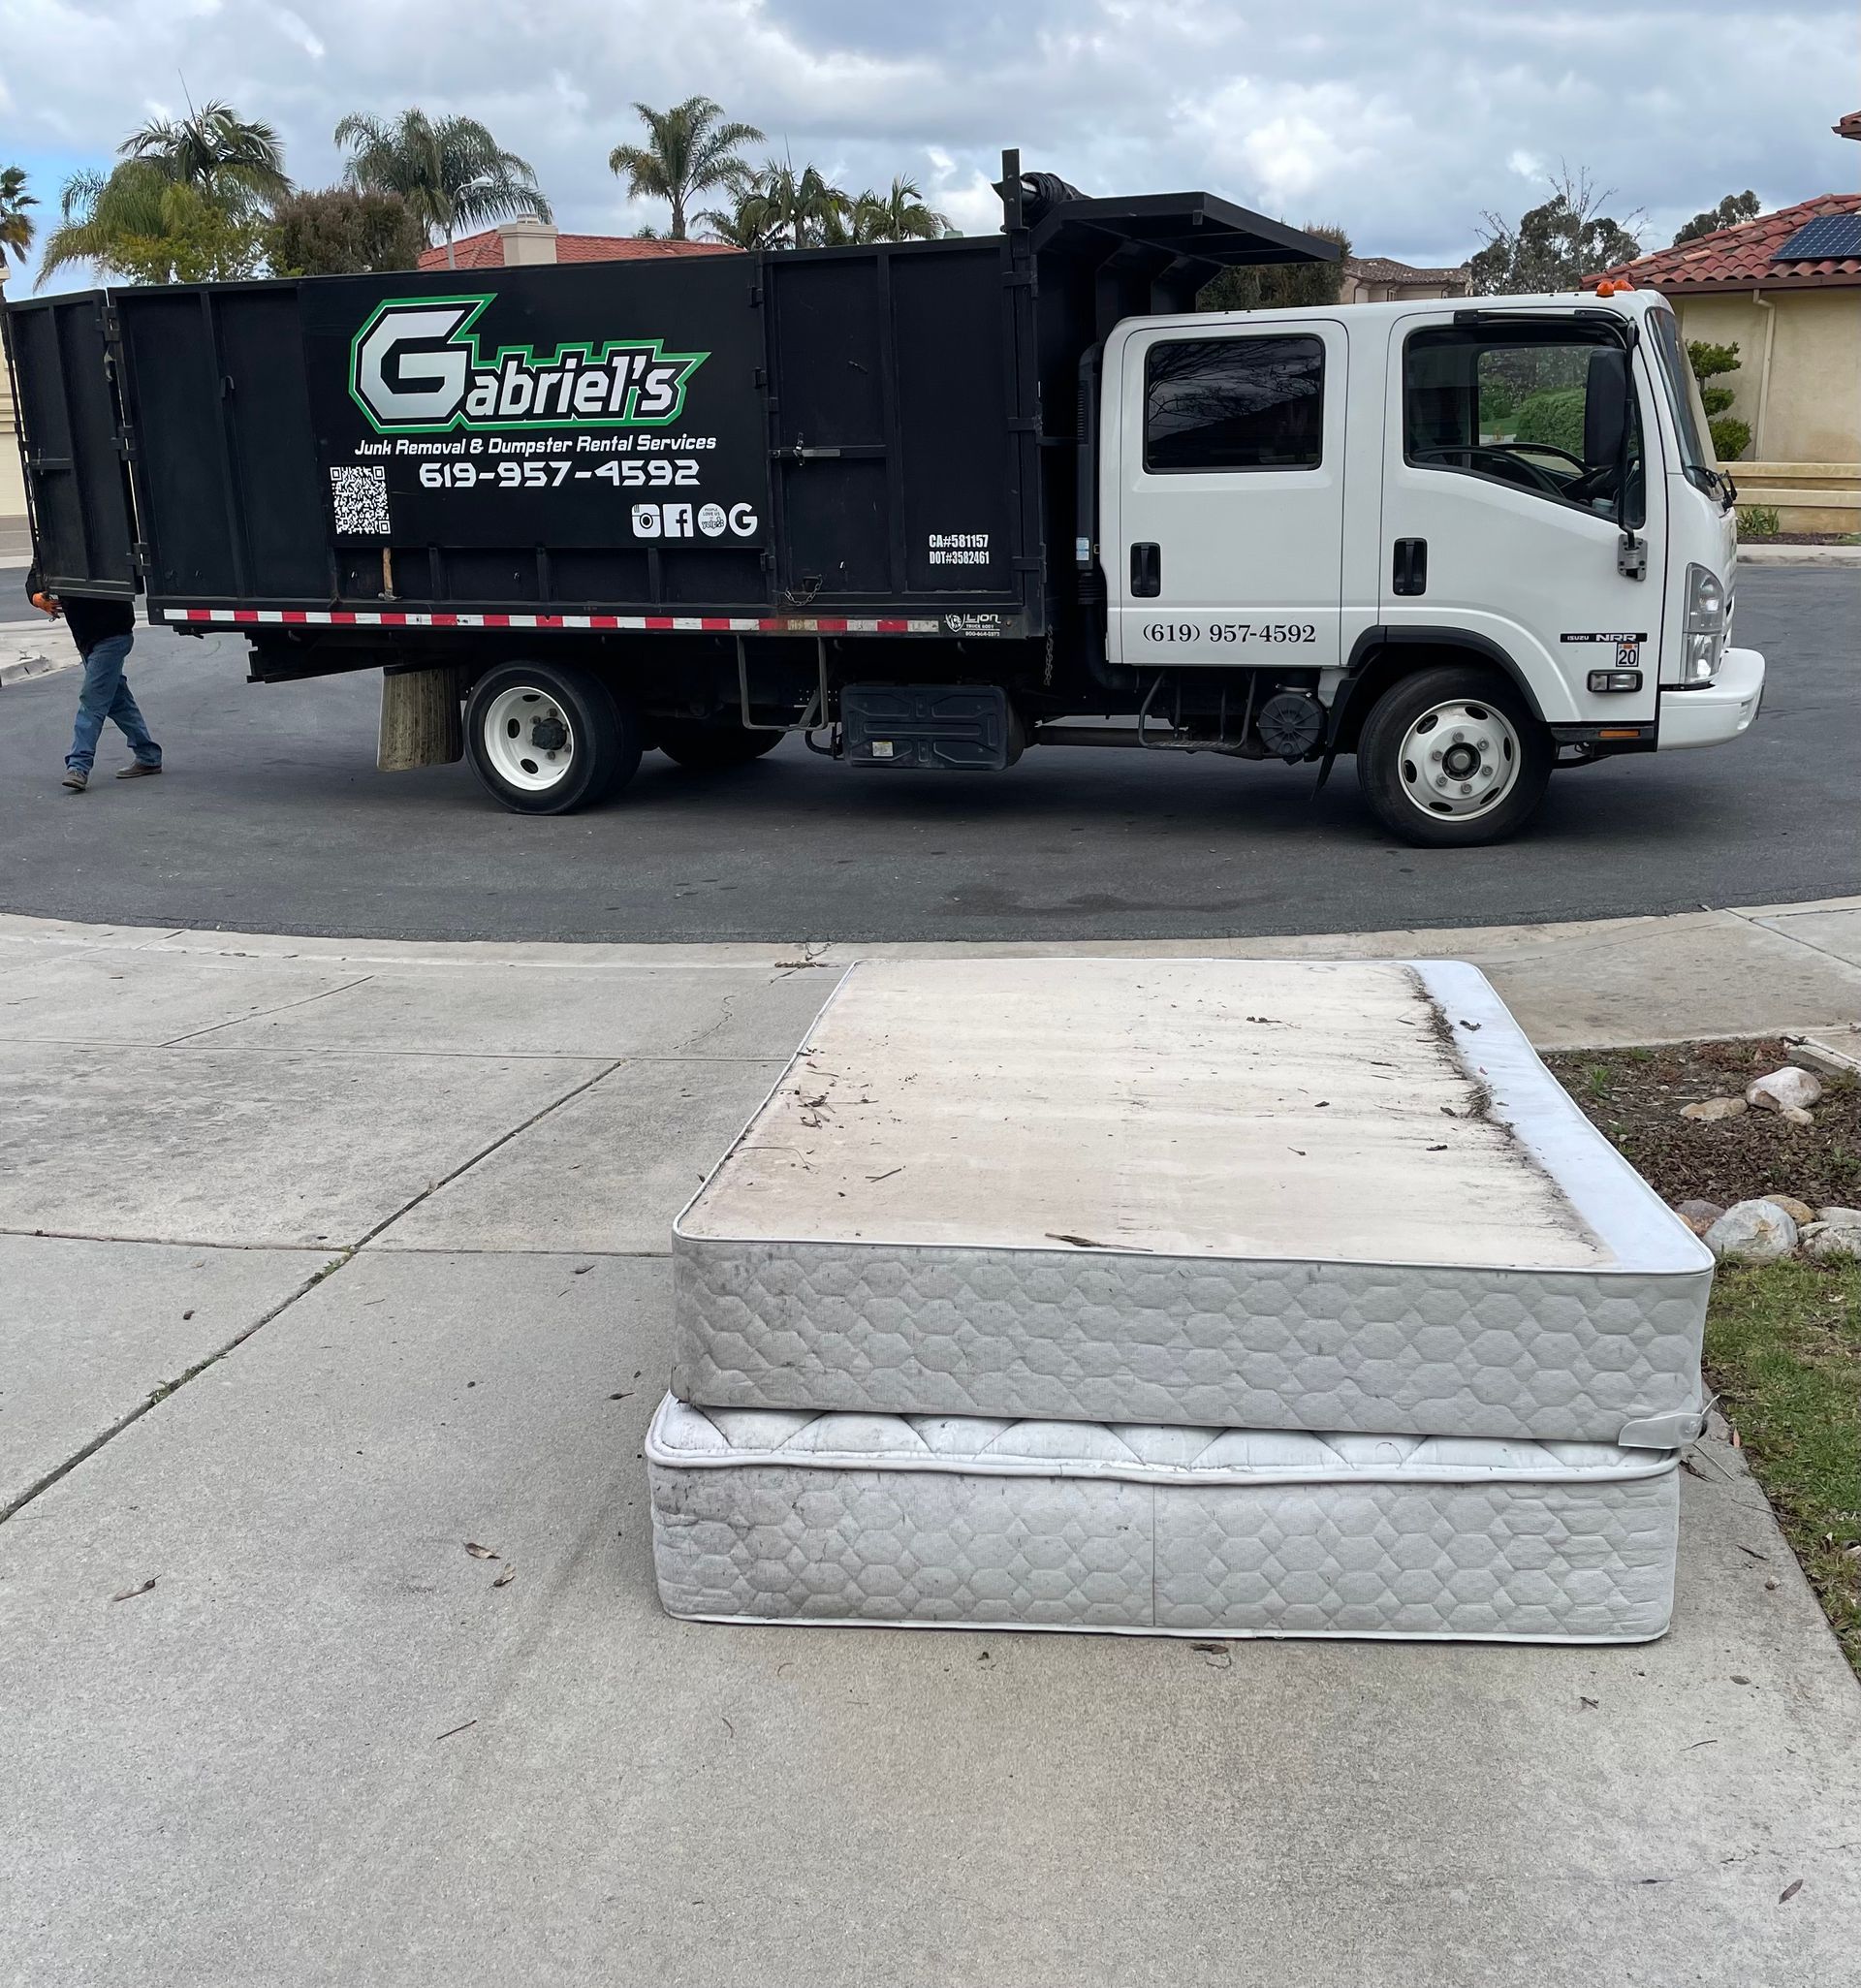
(1459, 760)
(529, 738)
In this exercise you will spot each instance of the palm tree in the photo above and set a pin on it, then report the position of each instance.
(236, 163)
(899, 215)
(16, 224)
(690, 150)
(746, 223)
(779, 207)
(142, 223)
(448, 170)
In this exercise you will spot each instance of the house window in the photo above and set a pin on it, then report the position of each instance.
(1533, 407)
(1234, 403)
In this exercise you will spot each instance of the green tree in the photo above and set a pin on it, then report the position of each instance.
(748, 222)
(1731, 437)
(690, 150)
(342, 233)
(1281, 286)
(897, 215)
(1554, 246)
(448, 170)
(139, 223)
(1733, 210)
(16, 226)
(236, 163)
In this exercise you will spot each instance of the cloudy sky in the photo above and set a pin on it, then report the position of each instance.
(1401, 122)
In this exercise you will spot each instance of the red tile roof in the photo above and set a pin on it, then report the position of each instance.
(1741, 258)
(1848, 126)
(486, 251)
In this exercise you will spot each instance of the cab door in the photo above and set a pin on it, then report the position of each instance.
(1227, 492)
(1503, 451)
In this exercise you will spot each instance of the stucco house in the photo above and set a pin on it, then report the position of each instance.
(13, 478)
(1381, 280)
(1785, 289)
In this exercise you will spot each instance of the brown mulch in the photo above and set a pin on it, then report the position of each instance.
(1634, 1096)
(1801, 538)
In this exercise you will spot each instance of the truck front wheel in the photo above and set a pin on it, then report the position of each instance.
(1452, 757)
(548, 738)
(708, 748)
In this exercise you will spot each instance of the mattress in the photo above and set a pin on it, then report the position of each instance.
(964, 1522)
(1270, 1194)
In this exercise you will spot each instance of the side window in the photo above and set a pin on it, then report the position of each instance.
(1515, 404)
(1234, 403)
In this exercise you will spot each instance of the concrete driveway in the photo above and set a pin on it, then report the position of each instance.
(382, 1233)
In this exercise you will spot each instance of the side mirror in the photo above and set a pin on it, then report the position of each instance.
(1605, 407)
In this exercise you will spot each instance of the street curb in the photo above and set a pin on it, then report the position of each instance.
(1799, 556)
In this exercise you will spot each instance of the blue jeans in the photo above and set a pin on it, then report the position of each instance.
(105, 695)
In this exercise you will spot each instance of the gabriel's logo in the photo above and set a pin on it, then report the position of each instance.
(414, 368)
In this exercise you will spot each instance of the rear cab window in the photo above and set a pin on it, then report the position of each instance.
(1245, 403)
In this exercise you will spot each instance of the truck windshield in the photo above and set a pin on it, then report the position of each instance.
(1697, 458)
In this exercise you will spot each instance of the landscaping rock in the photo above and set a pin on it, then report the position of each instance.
(1799, 1212)
(1711, 1107)
(1783, 1090)
(1753, 1231)
(1828, 1239)
(1699, 1215)
(1795, 1115)
(1842, 1217)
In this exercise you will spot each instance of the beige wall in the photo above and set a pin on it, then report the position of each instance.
(13, 486)
(1812, 410)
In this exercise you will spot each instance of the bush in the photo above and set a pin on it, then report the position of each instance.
(342, 234)
(1757, 520)
(1731, 437)
(1553, 418)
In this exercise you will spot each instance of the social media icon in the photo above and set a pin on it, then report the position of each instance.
(646, 521)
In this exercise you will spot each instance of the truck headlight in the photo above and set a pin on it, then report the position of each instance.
(1708, 622)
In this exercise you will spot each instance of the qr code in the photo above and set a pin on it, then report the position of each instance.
(360, 496)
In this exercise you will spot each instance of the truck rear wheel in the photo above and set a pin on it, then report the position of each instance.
(1452, 757)
(708, 748)
(548, 738)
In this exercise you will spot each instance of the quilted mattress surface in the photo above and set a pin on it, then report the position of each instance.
(771, 1516)
(1238, 1194)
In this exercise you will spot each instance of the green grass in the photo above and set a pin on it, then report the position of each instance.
(1784, 1349)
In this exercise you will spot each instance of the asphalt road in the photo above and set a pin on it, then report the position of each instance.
(273, 818)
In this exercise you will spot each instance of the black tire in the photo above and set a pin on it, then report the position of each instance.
(1397, 785)
(706, 748)
(518, 757)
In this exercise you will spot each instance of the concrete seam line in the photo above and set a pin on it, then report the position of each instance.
(561, 1249)
(161, 1392)
(173, 1241)
(432, 1188)
(1810, 945)
(259, 1014)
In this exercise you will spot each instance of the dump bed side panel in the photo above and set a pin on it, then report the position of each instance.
(71, 441)
(895, 425)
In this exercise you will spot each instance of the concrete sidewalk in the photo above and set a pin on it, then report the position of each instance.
(319, 1259)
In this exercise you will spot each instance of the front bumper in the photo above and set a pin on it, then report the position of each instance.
(1718, 711)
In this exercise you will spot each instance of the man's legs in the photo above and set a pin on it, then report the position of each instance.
(97, 700)
(127, 715)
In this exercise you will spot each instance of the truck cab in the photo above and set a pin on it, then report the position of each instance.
(1470, 540)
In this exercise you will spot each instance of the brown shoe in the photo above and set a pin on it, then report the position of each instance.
(136, 770)
(77, 779)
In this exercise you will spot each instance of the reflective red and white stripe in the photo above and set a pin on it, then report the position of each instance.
(717, 624)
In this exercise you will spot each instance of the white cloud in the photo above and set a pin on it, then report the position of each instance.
(1399, 123)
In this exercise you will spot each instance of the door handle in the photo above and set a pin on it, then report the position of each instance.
(1147, 571)
(1409, 573)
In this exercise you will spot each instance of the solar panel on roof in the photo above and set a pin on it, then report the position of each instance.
(1828, 238)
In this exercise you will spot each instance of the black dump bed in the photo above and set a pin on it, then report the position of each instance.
(881, 431)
